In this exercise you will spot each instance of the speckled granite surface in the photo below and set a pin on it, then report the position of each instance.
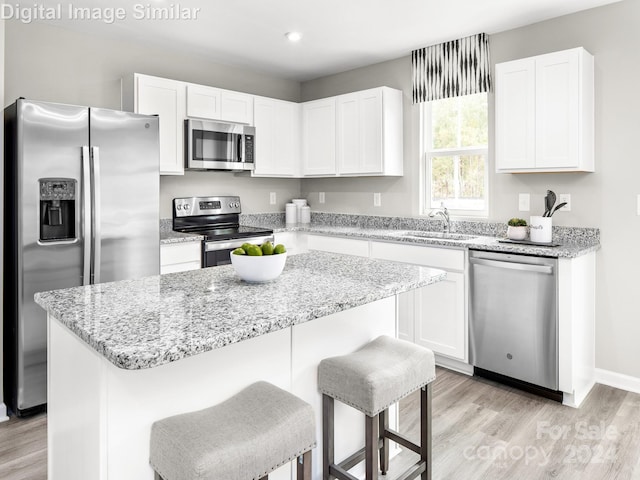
(155, 320)
(574, 241)
(168, 235)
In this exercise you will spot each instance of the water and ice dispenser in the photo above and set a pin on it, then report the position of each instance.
(58, 209)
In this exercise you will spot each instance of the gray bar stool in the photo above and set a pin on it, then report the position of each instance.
(245, 437)
(371, 380)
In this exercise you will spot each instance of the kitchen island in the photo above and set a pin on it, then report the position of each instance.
(124, 354)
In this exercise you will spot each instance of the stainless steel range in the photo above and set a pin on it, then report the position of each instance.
(218, 219)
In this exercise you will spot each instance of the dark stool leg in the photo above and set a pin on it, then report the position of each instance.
(265, 478)
(384, 450)
(327, 435)
(371, 447)
(304, 466)
(425, 430)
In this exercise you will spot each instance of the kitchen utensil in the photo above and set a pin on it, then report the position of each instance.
(550, 201)
(558, 207)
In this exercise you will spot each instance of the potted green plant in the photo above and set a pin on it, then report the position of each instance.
(517, 229)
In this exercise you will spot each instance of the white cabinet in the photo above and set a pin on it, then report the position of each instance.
(165, 98)
(319, 137)
(545, 113)
(348, 246)
(434, 316)
(278, 143)
(218, 104)
(369, 132)
(180, 257)
(294, 242)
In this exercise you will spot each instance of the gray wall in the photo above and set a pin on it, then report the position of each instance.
(58, 65)
(605, 199)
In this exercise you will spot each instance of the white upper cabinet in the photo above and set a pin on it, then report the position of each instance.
(318, 137)
(218, 104)
(165, 98)
(369, 132)
(545, 113)
(278, 143)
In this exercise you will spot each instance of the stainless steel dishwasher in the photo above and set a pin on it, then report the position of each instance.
(513, 318)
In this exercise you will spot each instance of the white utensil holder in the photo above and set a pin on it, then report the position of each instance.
(540, 229)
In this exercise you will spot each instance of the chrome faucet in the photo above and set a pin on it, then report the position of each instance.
(444, 213)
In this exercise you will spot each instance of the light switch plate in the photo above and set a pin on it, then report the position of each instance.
(524, 202)
(565, 197)
(272, 198)
(321, 197)
(377, 200)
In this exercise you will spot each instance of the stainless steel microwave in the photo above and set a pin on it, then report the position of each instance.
(218, 146)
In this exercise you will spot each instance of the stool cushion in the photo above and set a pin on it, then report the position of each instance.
(243, 438)
(378, 375)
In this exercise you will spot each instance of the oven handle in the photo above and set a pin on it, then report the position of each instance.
(235, 243)
(548, 269)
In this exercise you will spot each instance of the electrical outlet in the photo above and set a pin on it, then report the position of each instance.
(565, 197)
(377, 200)
(524, 200)
(321, 197)
(272, 198)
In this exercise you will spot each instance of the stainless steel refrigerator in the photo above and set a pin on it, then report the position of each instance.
(81, 207)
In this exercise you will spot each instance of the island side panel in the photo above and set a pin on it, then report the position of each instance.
(75, 407)
(337, 334)
(117, 407)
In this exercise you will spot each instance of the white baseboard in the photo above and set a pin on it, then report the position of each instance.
(618, 380)
(3, 412)
(455, 365)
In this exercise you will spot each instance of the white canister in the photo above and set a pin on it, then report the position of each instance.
(299, 202)
(540, 229)
(305, 214)
(291, 213)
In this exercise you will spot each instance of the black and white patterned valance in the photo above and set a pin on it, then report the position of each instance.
(451, 69)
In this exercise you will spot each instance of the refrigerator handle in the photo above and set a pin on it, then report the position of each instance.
(95, 214)
(86, 219)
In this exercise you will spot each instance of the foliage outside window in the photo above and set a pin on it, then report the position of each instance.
(455, 139)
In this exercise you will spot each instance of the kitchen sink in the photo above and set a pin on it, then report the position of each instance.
(439, 235)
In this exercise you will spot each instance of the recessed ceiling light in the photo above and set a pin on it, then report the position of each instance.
(293, 36)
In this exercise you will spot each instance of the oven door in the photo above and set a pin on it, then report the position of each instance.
(216, 253)
(218, 146)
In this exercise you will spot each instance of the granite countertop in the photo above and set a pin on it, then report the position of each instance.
(573, 242)
(148, 322)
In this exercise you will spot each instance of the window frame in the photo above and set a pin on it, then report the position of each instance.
(426, 153)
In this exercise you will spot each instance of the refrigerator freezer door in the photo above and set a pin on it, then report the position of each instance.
(125, 166)
(48, 146)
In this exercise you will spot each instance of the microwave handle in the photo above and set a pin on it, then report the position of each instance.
(239, 148)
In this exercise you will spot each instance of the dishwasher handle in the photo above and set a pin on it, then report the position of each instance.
(523, 267)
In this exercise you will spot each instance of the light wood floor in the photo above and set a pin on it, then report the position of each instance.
(482, 431)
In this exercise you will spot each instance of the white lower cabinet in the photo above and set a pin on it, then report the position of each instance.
(434, 316)
(348, 246)
(180, 257)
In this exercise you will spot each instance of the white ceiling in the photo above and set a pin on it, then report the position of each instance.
(338, 35)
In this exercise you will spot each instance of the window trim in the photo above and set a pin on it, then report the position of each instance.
(425, 167)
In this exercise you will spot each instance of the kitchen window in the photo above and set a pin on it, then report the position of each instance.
(455, 155)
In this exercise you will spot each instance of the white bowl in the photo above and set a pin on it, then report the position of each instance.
(258, 269)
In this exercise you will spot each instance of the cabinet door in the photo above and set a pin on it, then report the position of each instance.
(236, 107)
(515, 115)
(278, 143)
(165, 98)
(203, 102)
(440, 317)
(319, 137)
(348, 134)
(557, 110)
(180, 257)
(359, 133)
(348, 246)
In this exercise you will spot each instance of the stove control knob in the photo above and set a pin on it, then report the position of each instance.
(237, 204)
